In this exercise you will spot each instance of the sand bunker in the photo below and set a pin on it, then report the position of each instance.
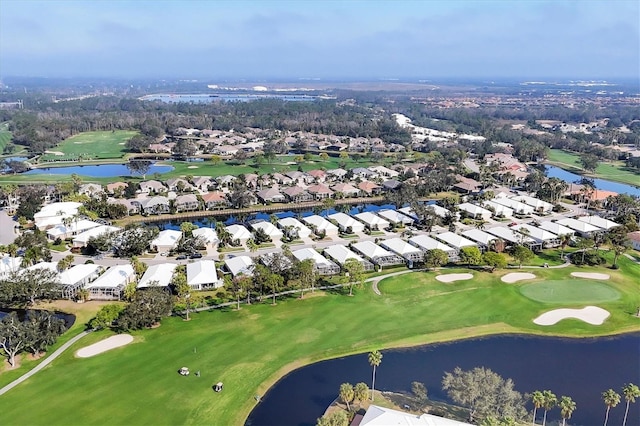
(590, 275)
(449, 278)
(105, 345)
(514, 277)
(192, 167)
(54, 152)
(590, 314)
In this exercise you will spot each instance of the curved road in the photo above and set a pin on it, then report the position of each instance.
(44, 363)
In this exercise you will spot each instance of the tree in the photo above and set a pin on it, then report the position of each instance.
(470, 255)
(564, 241)
(25, 287)
(187, 228)
(65, 263)
(611, 398)
(567, 407)
(216, 159)
(419, 390)
(522, 254)
(360, 392)
(181, 287)
(353, 273)
(435, 258)
(619, 243)
(538, 401)
(630, 392)
(337, 418)
(13, 337)
(375, 358)
(589, 162)
(346, 394)
(139, 167)
(106, 316)
(307, 274)
(134, 240)
(238, 285)
(42, 329)
(139, 267)
(495, 260)
(147, 308)
(550, 401)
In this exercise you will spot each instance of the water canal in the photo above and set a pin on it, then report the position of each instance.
(98, 170)
(620, 188)
(579, 368)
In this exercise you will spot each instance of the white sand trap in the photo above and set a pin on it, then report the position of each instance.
(449, 278)
(105, 345)
(590, 275)
(590, 314)
(192, 167)
(54, 152)
(514, 277)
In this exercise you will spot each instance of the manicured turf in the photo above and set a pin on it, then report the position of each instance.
(5, 136)
(249, 349)
(570, 291)
(92, 145)
(614, 170)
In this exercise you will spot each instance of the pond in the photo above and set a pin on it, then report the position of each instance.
(99, 170)
(620, 188)
(69, 319)
(579, 368)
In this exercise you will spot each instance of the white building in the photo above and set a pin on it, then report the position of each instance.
(583, 229)
(340, 254)
(372, 221)
(379, 416)
(538, 205)
(52, 214)
(320, 224)
(240, 233)
(516, 206)
(202, 274)
(395, 217)
(483, 239)
(474, 211)
(499, 209)
(426, 243)
(74, 228)
(345, 221)
(208, 235)
(81, 240)
(556, 228)
(408, 251)
(376, 254)
(166, 240)
(110, 285)
(239, 265)
(323, 265)
(269, 228)
(77, 277)
(300, 230)
(8, 265)
(159, 275)
(454, 240)
(511, 236)
(546, 238)
(598, 221)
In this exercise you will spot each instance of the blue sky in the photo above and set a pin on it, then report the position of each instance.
(324, 39)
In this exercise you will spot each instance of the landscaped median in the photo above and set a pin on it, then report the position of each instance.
(251, 348)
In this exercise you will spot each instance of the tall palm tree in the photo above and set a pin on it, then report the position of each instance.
(550, 401)
(611, 398)
(564, 241)
(567, 407)
(375, 358)
(630, 392)
(538, 401)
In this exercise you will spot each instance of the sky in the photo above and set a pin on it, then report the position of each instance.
(367, 39)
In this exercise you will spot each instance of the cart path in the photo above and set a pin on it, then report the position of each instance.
(375, 280)
(44, 363)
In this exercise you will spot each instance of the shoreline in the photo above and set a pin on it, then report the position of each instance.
(578, 171)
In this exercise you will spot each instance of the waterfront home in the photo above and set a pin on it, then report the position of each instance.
(83, 238)
(340, 254)
(207, 235)
(296, 194)
(320, 191)
(346, 222)
(239, 233)
(166, 240)
(271, 195)
(152, 187)
(239, 265)
(380, 416)
(391, 185)
(426, 243)
(268, 228)
(132, 206)
(322, 265)
(293, 228)
(346, 189)
(116, 187)
(320, 225)
(77, 277)
(74, 227)
(408, 251)
(372, 221)
(376, 254)
(187, 203)
(155, 205)
(369, 189)
(159, 275)
(111, 284)
(202, 183)
(214, 200)
(202, 275)
(598, 221)
(395, 217)
(92, 190)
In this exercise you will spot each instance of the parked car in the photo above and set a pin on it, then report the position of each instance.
(195, 256)
(181, 257)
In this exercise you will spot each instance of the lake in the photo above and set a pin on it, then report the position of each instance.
(69, 319)
(99, 170)
(579, 368)
(620, 188)
(225, 97)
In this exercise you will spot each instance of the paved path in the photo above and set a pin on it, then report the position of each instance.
(43, 364)
(631, 258)
(375, 280)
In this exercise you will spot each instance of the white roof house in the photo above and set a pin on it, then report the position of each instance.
(109, 285)
(395, 217)
(384, 171)
(158, 275)
(510, 235)
(74, 228)
(377, 254)
(269, 228)
(345, 221)
(454, 240)
(81, 240)
(440, 211)
(77, 277)
(52, 266)
(598, 221)
(239, 265)
(538, 205)
(379, 416)
(516, 206)
(208, 235)
(323, 265)
(302, 230)
(372, 221)
(479, 236)
(321, 224)
(8, 265)
(166, 240)
(556, 228)
(341, 254)
(403, 248)
(582, 228)
(239, 232)
(426, 243)
(202, 274)
(538, 234)
(475, 212)
(500, 210)
(53, 213)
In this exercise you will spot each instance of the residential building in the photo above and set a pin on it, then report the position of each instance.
(296, 194)
(320, 191)
(556, 228)
(372, 221)
(475, 212)
(484, 239)
(340, 254)
(240, 233)
(214, 200)
(166, 240)
(369, 189)
(379, 416)
(346, 222)
(546, 238)
(320, 225)
(83, 238)
(159, 275)
(77, 277)
(8, 265)
(202, 275)
(599, 222)
(323, 265)
(269, 228)
(395, 217)
(454, 240)
(376, 254)
(111, 284)
(72, 228)
(426, 243)
(581, 228)
(155, 205)
(293, 228)
(151, 187)
(271, 195)
(410, 252)
(239, 265)
(187, 203)
(208, 235)
(346, 189)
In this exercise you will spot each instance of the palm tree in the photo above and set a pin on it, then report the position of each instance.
(346, 394)
(550, 401)
(611, 398)
(538, 401)
(252, 246)
(375, 358)
(567, 407)
(630, 392)
(564, 241)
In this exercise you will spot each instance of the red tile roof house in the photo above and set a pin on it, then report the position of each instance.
(369, 188)
(295, 194)
(346, 189)
(214, 200)
(320, 191)
(270, 195)
(318, 175)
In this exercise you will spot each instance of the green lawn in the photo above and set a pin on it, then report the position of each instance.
(92, 146)
(570, 291)
(613, 170)
(5, 135)
(250, 349)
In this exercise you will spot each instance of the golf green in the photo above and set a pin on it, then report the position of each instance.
(570, 291)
